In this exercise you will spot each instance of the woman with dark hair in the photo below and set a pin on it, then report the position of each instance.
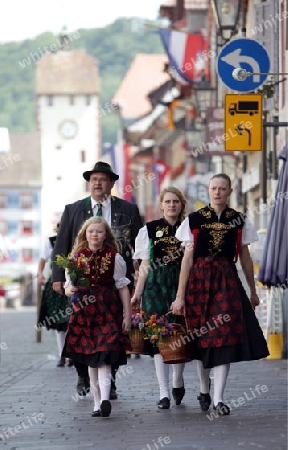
(219, 315)
(161, 256)
(98, 327)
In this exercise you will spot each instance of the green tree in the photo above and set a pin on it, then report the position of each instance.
(114, 47)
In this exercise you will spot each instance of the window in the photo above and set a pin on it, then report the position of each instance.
(12, 227)
(3, 227)
(36, 199)
(13, 200)
(49, 100)
(26, 227)
(88, 100)
(26, 201)
(83, 156)
(27, 254)
(3, 200)
(71, 100)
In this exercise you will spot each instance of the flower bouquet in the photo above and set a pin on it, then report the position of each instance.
(137, 320)
(137, 333)
(157, 327)
(174, 344)
(77, 266)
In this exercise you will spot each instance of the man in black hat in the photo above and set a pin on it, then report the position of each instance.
(125, 221)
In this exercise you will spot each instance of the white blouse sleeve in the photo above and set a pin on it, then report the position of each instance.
(67, 279)
(249, 233)
(184, 234)
(120, 272)
(46, 251)
(142, 244)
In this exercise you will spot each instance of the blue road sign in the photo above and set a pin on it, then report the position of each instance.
(246, 54)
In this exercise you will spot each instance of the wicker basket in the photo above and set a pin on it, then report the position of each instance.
(137, 341)
(175, 350)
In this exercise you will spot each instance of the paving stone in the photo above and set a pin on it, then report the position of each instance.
(30, 385)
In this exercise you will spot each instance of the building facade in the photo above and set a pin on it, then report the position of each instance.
(67, 103)
(20, 192)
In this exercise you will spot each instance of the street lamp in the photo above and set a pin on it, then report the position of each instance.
(205, 96)
(226, 14)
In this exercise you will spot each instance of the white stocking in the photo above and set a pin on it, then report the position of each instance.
(178, 380)
(104, 375)
(60, 338)
(94, 385)
(162, 372)
(204, 377)
(220, 378)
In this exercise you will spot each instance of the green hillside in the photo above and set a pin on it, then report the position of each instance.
(114, 47)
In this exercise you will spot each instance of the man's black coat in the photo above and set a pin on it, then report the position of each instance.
(125, 223)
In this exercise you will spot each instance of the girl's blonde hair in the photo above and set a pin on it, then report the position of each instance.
(81, 240)
(174, 190)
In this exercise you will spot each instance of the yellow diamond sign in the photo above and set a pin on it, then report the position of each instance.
(243, 122)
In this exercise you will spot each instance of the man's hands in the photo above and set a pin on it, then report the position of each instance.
(58, 286)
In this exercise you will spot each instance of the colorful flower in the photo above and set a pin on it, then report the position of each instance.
(77, 266)
(156, 327)
(137, 320)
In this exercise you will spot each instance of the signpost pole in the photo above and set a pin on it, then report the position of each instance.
(263, 178)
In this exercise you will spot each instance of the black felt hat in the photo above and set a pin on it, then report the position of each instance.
(103, 168)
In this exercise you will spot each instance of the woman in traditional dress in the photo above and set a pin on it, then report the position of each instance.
(98, 327)
(53, 307)
(219, 314)
(161, 256)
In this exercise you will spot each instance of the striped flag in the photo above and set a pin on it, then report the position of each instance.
(120, 162)
(188, 55)
(160, 170)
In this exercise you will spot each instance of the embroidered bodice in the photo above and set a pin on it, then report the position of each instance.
(101, 266)
(213, 236)
(163, 245)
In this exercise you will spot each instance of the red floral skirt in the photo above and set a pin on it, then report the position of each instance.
(213, 304)
(219, 314)
(95, 329)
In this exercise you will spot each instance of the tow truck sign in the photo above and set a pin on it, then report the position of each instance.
(243, 122)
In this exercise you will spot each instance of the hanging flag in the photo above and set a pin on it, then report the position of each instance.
(188, 55)
(120, 162)
(160, 170)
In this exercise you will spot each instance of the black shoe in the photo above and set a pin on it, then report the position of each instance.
(61, 362)
(113, 394)
(164, 403)
(178, 394)
(105, 408)
(83, 386)
(223, 410)
(96, 413)
(137, 356)
(205, 401)
(70, 363)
